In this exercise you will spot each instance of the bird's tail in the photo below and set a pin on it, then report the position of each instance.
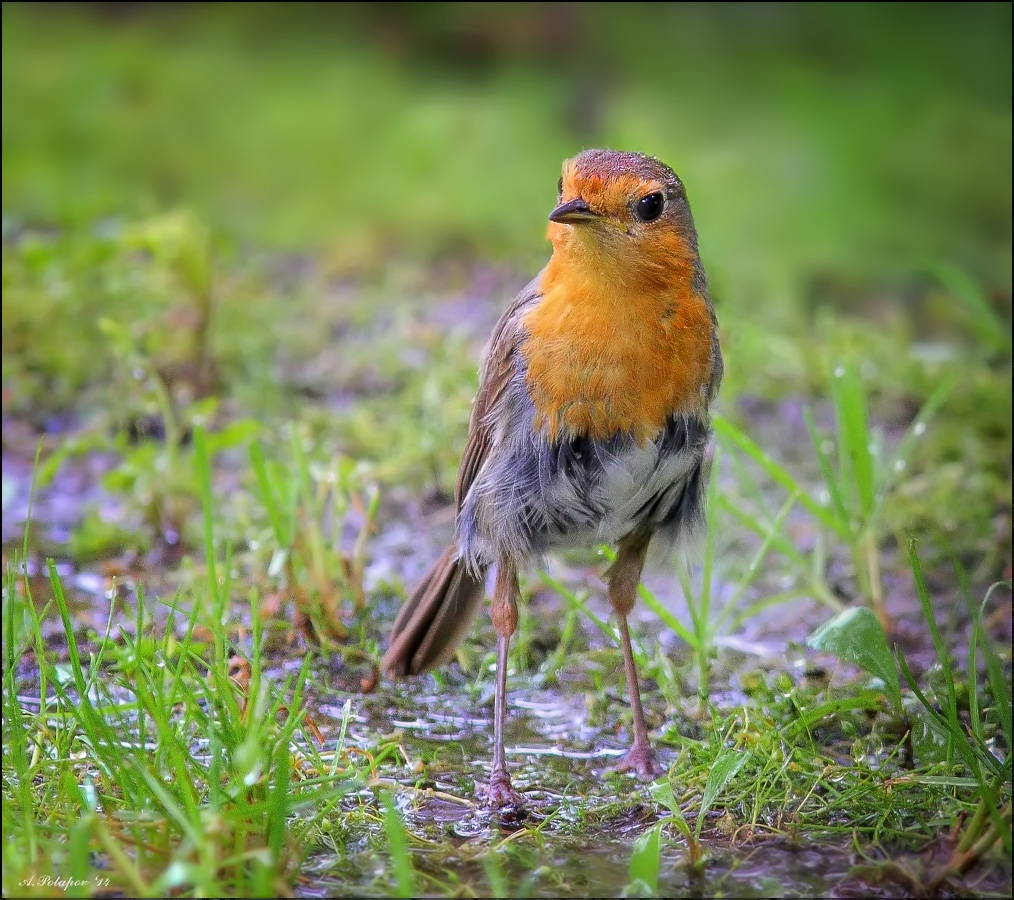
(435, 619)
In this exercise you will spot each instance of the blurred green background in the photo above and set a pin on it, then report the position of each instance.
(292, 189)
(850, 139)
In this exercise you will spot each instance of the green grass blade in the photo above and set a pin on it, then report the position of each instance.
(725, 429)
(667, 617)
(268, 497)
(831, 478)
(899, 460)
(855, 441)
(754, 566)
(981, 319)
(999, 686)
(938, 642)
(869, 700)
(725, 768)
(975, 758)
(394, 828)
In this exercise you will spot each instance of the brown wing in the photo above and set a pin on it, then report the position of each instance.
(439, 612)
(495, 374)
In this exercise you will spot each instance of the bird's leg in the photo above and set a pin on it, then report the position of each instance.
(504, 612)
(623, 577)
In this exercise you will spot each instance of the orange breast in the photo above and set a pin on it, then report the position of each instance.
(606, 356)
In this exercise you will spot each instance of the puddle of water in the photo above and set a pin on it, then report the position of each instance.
(581, 828)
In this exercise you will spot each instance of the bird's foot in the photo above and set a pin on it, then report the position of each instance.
(641, 760)
(500, 794)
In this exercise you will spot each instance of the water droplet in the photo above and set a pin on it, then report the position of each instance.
(920, 429)
(839, 372)
(899, 465)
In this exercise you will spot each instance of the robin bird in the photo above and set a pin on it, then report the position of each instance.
(589, 427)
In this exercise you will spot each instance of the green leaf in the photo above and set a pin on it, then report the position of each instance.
(645, 863)
(722, 772)
(662, 792)
(857, 637)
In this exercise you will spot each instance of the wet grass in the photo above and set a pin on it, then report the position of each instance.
(164, 761)
(236, 383)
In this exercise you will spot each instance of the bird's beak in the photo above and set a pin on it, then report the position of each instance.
(572, 212)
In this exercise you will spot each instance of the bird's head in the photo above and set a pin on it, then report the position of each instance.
(623, 209)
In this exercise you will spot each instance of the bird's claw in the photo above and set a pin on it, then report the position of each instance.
(641, 760)
(500, 794)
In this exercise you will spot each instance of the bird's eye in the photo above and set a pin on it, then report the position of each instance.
(650, 207)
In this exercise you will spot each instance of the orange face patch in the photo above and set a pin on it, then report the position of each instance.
(608, 194)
